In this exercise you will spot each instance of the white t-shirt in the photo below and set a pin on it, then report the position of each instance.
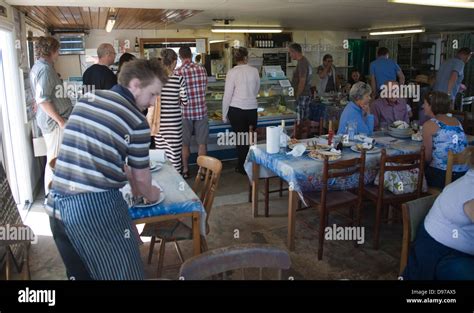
(447, 222)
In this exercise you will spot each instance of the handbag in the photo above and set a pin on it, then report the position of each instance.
(401, 182)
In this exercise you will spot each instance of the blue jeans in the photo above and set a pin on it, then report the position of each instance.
(436, 177)
(431, 260)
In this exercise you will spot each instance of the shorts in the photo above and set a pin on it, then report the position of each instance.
(198, 128)
(302, 108)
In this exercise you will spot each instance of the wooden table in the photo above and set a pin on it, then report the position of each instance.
(180, 202)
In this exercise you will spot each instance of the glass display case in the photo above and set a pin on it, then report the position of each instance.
(274, 102)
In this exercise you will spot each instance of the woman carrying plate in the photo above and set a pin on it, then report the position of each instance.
(441, 134)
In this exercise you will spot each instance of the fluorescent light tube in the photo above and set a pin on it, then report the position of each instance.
(465, 4)
(110, 24)
(394, 32)
(245, 30)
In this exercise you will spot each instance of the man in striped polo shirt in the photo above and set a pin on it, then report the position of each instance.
(106, 141)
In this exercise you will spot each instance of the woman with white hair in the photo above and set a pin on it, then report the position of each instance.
(357, 110)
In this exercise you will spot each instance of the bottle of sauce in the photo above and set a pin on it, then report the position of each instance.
(330, 134)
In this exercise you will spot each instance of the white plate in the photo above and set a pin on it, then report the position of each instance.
(401, 136)
(317, 159)
(126, 190)
(155, 166)
(374, 150)
(142, 206)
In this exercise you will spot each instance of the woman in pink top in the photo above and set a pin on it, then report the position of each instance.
(239, 105)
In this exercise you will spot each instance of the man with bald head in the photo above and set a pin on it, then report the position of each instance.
(100, 76)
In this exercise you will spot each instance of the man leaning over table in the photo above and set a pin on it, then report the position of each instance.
(357, 111)
(53, 111)
(105, 142)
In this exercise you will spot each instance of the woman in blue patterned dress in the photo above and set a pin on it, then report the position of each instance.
(441, 133)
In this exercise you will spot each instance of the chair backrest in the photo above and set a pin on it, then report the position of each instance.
(342, 168)
(400, 163)
(413, 213)
(210, 168)
(456, 159)
(245, 256)
(306, 128)
(467, 100)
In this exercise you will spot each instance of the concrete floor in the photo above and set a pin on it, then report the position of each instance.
(232, 212)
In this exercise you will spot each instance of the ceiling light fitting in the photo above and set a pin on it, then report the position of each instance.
(396, 31)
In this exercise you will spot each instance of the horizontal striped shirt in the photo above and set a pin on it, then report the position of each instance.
(105, 131)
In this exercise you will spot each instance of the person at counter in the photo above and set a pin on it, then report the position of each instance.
(451, 74)
(105, 142)
(327, 74)
(302, 77)
(124, 58)
(53, 111)
(169, 134)
(388, 110)
(239, 105)
(100, 76)
(384, 69)
(357, 111)
(195, 120)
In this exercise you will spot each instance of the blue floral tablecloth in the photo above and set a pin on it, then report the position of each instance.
(304, 174)
(179, 198)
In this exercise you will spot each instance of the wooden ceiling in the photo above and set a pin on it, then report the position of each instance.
(53, 17)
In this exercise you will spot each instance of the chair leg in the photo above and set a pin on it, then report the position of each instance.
(26, 264)
(152, 246)
(204, 246)
(7, 264)
(250, 192)
(378, 217)
(161, 258)
(322, 227)
(281, 188)
(267, 196)
(178, 250)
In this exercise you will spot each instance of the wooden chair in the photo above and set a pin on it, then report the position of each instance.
(13, 251)
(457, 159)
(326, 200)
(307, 129)
(413, 213)
(239, 257)
(453, 159)
(384, 198)
(174, 230)
(461, 116)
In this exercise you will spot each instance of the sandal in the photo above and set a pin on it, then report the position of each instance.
(185, 175)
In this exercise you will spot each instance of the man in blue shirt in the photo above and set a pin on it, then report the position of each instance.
(357, 110)
(384, 69)
(451, 73)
